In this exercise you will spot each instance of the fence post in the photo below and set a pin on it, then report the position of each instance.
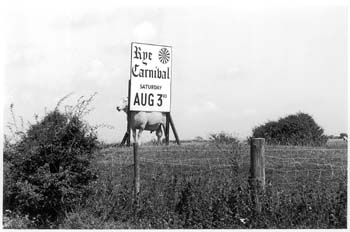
(136, 176)
(128, 129)
(257, 169)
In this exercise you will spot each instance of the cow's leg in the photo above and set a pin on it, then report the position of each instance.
(139, 136)
(159, 134)
(134, 135)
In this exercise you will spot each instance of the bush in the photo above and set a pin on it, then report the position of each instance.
(47, 169)
(223, 138)
(297, 129)
(13, 220)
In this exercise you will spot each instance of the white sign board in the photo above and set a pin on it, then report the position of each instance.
(150, 77)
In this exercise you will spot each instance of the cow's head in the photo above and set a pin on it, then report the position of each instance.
(123, 105)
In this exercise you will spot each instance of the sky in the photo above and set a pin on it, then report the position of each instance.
(235, 66)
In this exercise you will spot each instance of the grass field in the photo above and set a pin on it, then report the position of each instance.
(205, 185)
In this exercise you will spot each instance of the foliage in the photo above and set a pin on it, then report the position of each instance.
(189, 197)
(224, 206)
(223, 138)
(337, 143)
(297, 129)
(13, 220)
(198, 138)
(47, 169)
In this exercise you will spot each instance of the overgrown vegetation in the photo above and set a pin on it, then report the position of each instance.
(296, 129)
(47, 167)
(190, 196)
(54, 177)
(223, 138)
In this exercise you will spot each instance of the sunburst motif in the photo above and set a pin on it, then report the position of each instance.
(164, 55)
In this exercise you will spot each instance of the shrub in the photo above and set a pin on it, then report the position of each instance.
(297, 129)
(47, 169)
(223, 138)
(13, 220)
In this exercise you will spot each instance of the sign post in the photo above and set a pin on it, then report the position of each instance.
(150, 83)
(150, 76)
(149, 90)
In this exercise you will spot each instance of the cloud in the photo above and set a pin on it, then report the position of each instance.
(249, 112)
(23, 57)
(233, 72)
(203, 107)
(210, 106)
(84, 19)
(145, 31)
(95, 70)
(100, 73)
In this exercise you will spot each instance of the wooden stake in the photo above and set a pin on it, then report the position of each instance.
(174, 130)
(129, 116)
(257, 161)
(126, 135)
(257, 170)
(167, 128)
(136, 176)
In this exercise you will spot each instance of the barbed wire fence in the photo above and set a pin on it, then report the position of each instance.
(292, 167)
(284, 166)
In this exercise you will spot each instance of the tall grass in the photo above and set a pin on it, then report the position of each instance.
(188, 195)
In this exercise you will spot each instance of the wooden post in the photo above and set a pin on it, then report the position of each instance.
(126, 135)
(128, 130)
(257, 161)
(129, 116)
(174, 130)
(257, 169)
(167, 128)
(136, 176)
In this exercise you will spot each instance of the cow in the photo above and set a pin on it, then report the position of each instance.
(141, 120)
